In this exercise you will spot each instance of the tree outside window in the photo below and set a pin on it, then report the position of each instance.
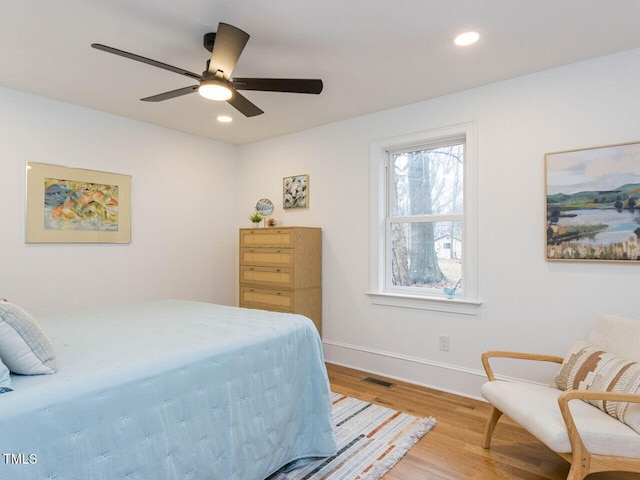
(425, 216)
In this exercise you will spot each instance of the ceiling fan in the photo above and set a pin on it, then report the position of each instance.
(216, 82)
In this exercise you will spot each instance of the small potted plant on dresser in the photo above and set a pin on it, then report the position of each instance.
(256, 218)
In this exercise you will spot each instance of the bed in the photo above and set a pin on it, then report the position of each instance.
(169, 390)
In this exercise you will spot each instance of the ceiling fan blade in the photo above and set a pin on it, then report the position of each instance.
(291, 85)
(146, 60)
(172, 94)
(228, 46)
(243, 105)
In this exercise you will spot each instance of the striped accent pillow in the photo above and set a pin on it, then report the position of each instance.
(586, 367)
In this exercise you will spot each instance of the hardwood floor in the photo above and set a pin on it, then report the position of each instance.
(451, 450)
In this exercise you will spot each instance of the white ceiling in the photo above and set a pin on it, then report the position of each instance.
(371, 54)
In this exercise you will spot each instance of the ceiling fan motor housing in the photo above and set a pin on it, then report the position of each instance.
(208, 41)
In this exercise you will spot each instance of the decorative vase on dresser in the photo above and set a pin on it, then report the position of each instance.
(281, 270)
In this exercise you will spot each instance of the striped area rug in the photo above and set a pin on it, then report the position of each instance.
(371, 439)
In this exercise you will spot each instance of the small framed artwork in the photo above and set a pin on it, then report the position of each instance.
(74, 205)
(593, 204)
(295, 191)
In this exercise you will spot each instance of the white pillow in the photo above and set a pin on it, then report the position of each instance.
(24, 347)
(5, 378)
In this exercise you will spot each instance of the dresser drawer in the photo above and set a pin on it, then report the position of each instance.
(271, 257)
(270, 276)
(266, 237)
(266, 299)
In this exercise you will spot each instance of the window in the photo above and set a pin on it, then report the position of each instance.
(423, 231)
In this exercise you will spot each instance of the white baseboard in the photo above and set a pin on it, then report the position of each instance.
(445, 377)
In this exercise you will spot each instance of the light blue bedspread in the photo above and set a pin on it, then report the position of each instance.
(169, 390)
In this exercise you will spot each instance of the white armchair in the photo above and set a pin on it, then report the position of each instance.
(591, 439)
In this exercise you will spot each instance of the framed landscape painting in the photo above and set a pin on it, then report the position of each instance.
(74, 205)
(593, 204)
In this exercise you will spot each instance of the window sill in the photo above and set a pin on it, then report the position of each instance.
(450, 305)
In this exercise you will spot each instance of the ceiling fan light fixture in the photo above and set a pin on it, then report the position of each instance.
(214, 89)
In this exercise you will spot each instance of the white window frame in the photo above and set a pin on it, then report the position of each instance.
(467, 301)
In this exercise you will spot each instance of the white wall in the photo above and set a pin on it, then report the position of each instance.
(191, 194)
(528, 303)
(183, 219)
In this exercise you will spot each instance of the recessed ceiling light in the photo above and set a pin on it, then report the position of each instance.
(224, 118)
(466, 38)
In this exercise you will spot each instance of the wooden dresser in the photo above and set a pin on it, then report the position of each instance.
(281, 270)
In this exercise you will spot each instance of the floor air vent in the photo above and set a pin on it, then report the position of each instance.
(376, 381)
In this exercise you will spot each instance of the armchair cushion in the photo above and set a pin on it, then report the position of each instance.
(535, 407)
(588, 367)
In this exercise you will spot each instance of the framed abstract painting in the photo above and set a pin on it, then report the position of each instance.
(593, 204)
(74, 205)
(295, 191)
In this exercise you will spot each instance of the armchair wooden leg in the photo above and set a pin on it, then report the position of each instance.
(576, 472)
(580, 463)
(490, 427)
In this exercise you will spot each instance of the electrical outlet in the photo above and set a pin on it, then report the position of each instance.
(444, 343)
